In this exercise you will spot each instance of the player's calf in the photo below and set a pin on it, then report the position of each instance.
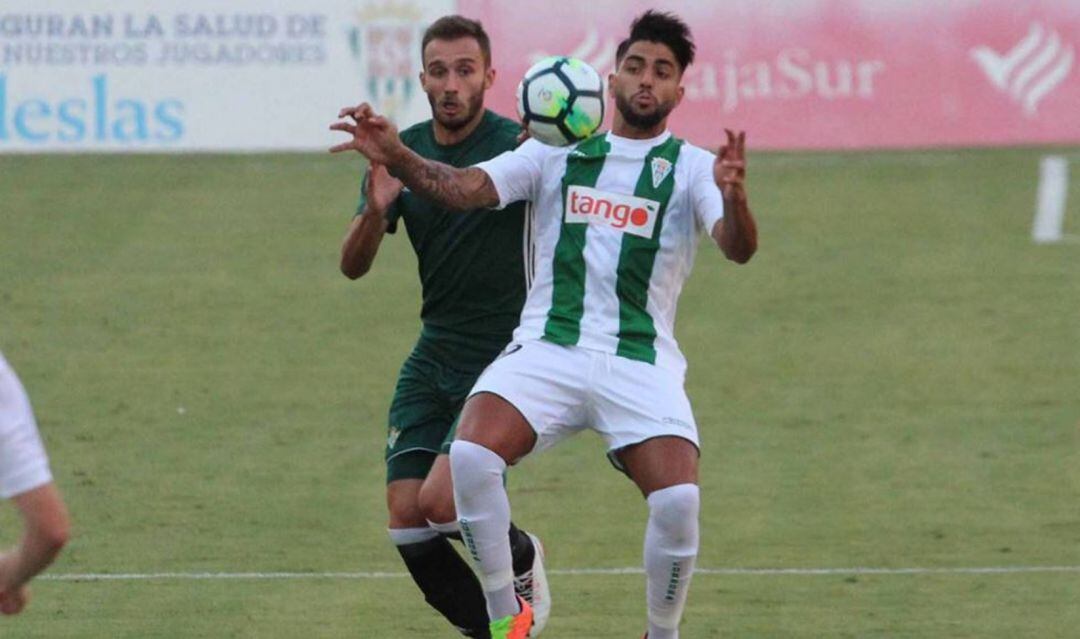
(671, 546)
(448, 583)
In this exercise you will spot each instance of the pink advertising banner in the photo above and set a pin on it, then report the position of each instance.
(833, 74)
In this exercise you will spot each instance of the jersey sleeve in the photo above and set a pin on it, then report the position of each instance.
(516, 174)
(392, 213)
(24, 465)
(705, 195)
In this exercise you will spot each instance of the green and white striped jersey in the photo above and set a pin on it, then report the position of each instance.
(617, 223)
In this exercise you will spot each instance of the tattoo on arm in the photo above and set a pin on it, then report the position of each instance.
(454, 188)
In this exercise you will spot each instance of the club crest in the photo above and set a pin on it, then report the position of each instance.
(661, 168)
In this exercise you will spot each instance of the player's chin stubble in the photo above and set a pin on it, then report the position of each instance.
(472, 107)
(643, 121)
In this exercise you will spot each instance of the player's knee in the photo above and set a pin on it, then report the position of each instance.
(403, 507)
(56, 535)
(437, 503)
(674, 510)
(474, 467)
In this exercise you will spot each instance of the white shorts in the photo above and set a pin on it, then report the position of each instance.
(23, 463)
(562, 390)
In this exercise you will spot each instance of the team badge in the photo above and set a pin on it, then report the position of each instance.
(661, 168)
(392, 438)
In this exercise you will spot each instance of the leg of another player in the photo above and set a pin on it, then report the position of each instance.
(491, 435)
(446, 580)
(530, 578)
(437, 505)
(665, 469)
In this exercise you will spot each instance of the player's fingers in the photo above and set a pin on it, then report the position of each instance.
(732, 141)
(377, 121)
(742, 142)
(344, 146)
(363, 111)
(343, 126)
(347, 112)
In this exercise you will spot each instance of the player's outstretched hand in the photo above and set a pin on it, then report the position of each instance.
(381, 188)
(372, 135)
(729, 169)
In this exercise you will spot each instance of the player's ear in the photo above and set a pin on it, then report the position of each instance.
(679, 93)
(489, 77)
(423, 79)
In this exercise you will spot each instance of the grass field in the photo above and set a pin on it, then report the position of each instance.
(893, 382)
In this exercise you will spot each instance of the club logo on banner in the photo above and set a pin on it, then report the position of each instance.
(386, 41)
(1031, 70)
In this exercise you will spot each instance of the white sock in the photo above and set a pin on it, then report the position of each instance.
(448, 528)
(671, 545)
(406, 536)
(484, 515)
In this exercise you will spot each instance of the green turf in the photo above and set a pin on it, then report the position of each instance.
(894, 381)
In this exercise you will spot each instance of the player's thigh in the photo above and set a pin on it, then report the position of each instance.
(660, 462)
(644, 415)
(531, 397)
(418, 421)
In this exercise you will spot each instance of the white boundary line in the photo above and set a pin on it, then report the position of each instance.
(263, 576)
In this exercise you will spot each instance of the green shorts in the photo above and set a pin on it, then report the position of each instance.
(423, 414)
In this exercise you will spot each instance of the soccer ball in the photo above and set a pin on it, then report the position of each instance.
(561, 100)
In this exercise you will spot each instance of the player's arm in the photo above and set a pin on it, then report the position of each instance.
(454, 188)
(366, 231)
(46, 530)
(376, 138)
(736, 232)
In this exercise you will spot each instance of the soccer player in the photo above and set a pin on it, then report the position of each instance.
(25, 479)
(618, 220)
(473, 273)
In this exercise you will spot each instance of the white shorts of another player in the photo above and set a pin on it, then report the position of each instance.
(562, 390)
(23, 462)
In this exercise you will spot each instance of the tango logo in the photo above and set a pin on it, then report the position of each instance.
(626, 213)
(1029, 71)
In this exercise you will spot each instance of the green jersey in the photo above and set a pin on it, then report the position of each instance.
(472, 264)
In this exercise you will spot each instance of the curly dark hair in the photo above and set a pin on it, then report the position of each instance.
(664, 28)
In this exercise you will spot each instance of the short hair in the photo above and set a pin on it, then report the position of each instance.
(664, 28)
(454, 27)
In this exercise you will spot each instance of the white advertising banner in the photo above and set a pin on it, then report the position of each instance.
(203, 75)
(249, 75)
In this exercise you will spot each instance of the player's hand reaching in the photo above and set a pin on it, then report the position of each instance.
(372, 135)
(729, 169)
(381, 188)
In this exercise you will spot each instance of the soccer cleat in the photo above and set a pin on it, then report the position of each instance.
(514, 626)
(532, 586)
